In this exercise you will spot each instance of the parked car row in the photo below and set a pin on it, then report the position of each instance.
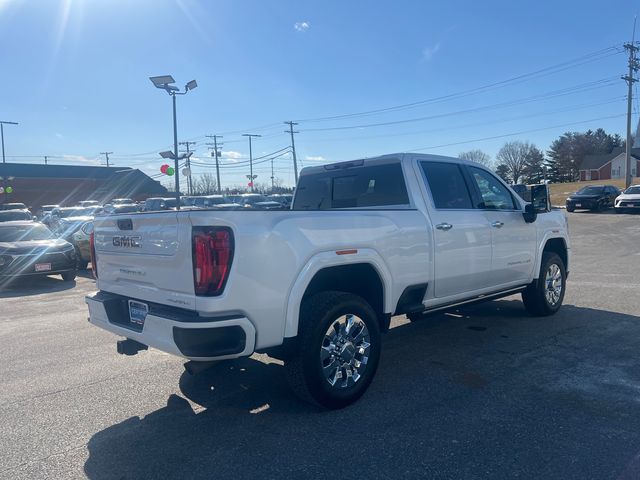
(56, 240)
(600, 197)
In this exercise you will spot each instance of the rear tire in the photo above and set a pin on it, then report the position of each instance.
(69, 276)
(337, 351)
(545, 294)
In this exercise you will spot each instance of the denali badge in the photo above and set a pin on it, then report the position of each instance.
(126, 241)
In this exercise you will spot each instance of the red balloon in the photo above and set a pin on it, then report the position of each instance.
(163, 168)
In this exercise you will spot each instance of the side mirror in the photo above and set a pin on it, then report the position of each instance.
(540, 198)
(530, 214)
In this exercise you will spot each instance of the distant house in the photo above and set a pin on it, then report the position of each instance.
(609, 166)
(37, 185)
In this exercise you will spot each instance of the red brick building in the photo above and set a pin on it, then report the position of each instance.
(609, 166)
(37, 185)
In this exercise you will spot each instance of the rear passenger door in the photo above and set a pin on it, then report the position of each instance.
(513, 240)
(462, 235)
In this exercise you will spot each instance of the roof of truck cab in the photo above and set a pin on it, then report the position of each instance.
(403, 157)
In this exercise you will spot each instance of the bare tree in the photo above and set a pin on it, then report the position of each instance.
(205, 184)
(477, 156)
(514, 155)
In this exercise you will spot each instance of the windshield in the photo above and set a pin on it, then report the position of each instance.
(635, 190)
(23, 233)
(590, 191)
(10, 215)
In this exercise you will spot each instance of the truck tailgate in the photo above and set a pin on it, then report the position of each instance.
(146, 256)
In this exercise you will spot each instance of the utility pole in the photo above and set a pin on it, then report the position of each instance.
(106, 154)
(293, 148)
(215, 154)
(2, 124)
(188, 165)
(272, 176)
(632, 48)
(251, 176)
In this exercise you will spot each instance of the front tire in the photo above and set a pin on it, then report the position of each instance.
(338, 350)
(545, 295)
(571, 209)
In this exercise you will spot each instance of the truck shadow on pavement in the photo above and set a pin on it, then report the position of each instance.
(481, 392)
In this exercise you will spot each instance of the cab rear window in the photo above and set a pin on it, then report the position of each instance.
(357, 187)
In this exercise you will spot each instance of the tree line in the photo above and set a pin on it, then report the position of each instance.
(523, 162)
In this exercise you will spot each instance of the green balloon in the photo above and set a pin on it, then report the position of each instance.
(9, 190)
(170, 171)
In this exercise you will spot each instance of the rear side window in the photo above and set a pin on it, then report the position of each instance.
(448, 187)
(369, 186)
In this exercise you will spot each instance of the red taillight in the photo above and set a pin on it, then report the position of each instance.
(212, 256)
(94, 264)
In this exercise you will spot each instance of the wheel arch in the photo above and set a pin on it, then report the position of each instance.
(364, 274)
(557, 245)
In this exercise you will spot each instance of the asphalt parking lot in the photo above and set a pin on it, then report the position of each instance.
(482, 392)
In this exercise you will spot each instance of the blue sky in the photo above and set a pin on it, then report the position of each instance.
(75, 75)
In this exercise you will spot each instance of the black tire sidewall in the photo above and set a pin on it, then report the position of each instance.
(319, 388)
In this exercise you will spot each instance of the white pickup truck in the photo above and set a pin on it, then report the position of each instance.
(315, 286)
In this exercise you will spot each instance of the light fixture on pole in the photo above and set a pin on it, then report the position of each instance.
(165, 82)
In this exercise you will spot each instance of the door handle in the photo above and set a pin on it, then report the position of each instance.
(444, 226)
(497, 224)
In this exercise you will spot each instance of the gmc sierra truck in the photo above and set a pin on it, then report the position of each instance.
(315, 286)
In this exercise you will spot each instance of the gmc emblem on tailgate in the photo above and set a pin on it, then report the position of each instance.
(126, 241)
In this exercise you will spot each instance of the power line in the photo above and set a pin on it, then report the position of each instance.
(482, 123)
(579, 61)
(581, 88)
(494, 137)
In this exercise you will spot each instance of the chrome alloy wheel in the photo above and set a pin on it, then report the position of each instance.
(553, 284)
(345, 351)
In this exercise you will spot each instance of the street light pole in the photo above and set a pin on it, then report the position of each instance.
(165, 82)
(175, 150)
(251, 177)
(2, 124)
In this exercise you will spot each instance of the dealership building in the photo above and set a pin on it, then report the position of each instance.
(37, 185)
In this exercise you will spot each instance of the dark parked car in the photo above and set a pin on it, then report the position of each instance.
(29, 248)
(592, 197)
(12, 215)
